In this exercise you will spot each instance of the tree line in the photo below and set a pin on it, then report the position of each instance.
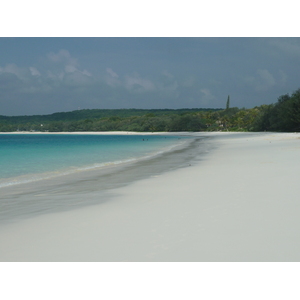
(284, 115)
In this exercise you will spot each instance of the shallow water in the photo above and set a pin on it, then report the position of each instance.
(28, 157)
(88, 186)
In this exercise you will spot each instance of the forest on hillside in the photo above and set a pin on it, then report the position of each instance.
(284, 115)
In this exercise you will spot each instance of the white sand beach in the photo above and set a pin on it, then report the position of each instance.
(240, 202)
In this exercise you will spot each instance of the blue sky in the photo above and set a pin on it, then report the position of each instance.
(47, 75)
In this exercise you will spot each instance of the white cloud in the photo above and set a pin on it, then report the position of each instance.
(77, 79)
(65, 69)
(290, 46)
(13, 69)
(70, 69)
(266, 77)
(87, 73)
(263, 81)
(63, 56)
(112, 73)
(207, 93)
(283, 77)
(112, 78)
(206, 96)
(168, 74)
(138, 84)
(34, 71)
(172, 87)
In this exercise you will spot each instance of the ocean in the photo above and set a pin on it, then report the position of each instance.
(32, 157)
(42, 173)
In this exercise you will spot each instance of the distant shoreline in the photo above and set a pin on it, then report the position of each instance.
(190, 133)
(91, 132)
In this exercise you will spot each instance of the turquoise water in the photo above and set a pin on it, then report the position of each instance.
(31, 157)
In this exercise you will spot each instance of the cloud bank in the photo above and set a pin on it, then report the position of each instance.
(147, 73)
(59, 79)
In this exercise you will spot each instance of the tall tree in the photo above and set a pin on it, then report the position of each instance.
(228, 102)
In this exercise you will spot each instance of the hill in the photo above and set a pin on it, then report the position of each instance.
(81, 120)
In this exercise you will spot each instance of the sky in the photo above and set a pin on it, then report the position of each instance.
(65, 56)
(47, 75)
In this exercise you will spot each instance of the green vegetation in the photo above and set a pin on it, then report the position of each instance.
(109, 120)
(281, 116)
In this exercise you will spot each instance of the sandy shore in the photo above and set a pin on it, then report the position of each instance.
(239, 203)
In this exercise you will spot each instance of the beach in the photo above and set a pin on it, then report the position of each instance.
(237, 200)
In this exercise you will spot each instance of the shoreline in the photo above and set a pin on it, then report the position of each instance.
(238, 202)
(97, 179)
(97, 132)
